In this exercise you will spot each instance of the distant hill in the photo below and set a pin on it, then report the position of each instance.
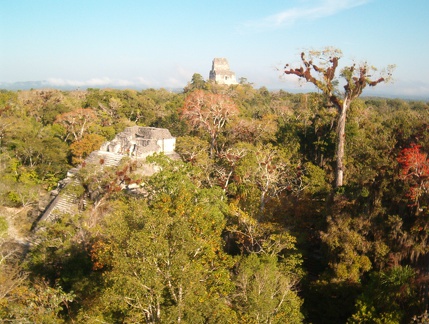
(24, 85)
(28, 85)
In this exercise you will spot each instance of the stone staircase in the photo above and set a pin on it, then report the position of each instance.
(65, 202)
(107, 159)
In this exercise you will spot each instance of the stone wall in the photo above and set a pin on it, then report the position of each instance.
(220, 72)
(141, 141)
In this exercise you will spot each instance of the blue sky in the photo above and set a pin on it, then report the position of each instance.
(132, 43)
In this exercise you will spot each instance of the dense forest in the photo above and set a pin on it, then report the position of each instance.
(247, 227)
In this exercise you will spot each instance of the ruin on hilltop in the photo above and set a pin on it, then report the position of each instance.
(134, 142)
(220, 72)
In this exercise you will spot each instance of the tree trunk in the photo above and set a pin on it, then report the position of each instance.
(262, 205)
(341, 140)
(179, 304)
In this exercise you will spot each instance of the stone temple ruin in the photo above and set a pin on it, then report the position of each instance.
(140, 142)
(134, 142)
(220, 72)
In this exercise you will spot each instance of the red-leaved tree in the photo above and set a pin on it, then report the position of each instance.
(415, 171)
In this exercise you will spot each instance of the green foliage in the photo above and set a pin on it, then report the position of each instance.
(264, 292)
(268, 170)
(61, 257)
(197, 82)
(347, 241)
(367, 314)
(20, 185)
(35, 303)
(165, 256)
(388, 297)
(330, 302)
(314, 180)
(195, 151)
(3, 226)
(264, 196)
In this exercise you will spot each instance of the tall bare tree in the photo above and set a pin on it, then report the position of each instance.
(323, 76)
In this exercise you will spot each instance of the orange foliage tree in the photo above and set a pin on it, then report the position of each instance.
(76, 122)
(83, 147)
(415, 171)
(209, 112)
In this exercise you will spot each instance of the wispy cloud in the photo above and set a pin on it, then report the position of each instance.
(402, 88)
(88, 83)
(100, 82)
(139, 82)
(174, 77)
(309, 10)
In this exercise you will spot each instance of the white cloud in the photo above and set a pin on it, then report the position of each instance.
(100, 82)
(177, 80)
(144, 82)
(75, 83)
(312, 11)
(174, 76)
(405, 89)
